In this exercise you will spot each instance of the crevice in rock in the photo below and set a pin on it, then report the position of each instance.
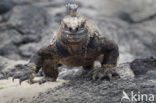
(151, 17)
(18, 30)
(127, 18)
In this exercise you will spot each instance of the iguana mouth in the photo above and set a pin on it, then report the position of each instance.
(74, 38)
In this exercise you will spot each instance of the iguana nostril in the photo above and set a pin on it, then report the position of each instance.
(70, 29)
(76, 29)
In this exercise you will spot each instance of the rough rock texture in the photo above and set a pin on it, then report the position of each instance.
(80, 89)
(27, 25)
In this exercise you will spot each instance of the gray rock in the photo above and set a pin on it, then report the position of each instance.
(79, 90)
(141, 67)
(132, 39)
(28, 19)
(27, 50)
(5, 6)
(21, 30)
(9, 67)
(84, 91)
(7, 47)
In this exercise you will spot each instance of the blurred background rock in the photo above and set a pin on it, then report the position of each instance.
(27, 25)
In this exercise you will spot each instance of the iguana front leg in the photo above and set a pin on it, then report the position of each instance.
(110, 51)
(46, 59)
(30, 69)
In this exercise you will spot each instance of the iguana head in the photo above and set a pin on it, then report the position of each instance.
(73, 26)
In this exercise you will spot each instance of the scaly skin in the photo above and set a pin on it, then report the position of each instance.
(77, 43)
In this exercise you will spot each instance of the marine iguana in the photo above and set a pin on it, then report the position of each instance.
(77, 42)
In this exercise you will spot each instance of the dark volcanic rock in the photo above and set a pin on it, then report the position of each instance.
(135, 40)
(9, 67)
(5, 6)
(28, 19)
(25, 25)
(7, 47)
(141, 67)
(80, 90)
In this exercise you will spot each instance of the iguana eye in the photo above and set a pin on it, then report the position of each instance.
(82, 25)
(65, 26)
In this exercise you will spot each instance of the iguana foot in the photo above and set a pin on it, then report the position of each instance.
(103, 73)
(28, 74)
